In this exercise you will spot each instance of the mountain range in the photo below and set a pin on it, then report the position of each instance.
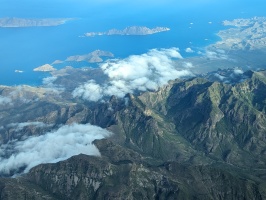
(198, 138)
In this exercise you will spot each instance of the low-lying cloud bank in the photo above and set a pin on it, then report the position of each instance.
(142, 72)
(67, 141)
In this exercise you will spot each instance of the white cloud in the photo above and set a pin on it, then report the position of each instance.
(49, 80)
(17, 94)
(13, 95)
(90, 91)
(136, 73)
(67, 141)
(20, 126)
(216, 55)
(188, 65)
(26, 94)
(219, 76)
(48, 84)
(211, 54)
(189, 50)
(238, 71)
(5, 100)
(57, 62)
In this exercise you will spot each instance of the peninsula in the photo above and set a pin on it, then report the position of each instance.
(245, 34)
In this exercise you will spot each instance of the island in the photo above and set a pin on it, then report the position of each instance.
(93, 57)
(12, 22)
(45, 68)
(19, 71)
(131, 30)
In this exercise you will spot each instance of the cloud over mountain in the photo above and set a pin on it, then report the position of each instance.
(5, 100)
(136, 73)
(52, 147)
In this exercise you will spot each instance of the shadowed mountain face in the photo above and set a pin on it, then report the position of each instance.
(192, 139)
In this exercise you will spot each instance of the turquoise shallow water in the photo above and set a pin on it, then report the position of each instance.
(27, 48)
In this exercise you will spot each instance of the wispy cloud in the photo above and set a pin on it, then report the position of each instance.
(13, 96)
(5, 100)
(188, 65)
(49, 81)
(216, 55)
(51, 87)
(238, 71)
(220, 77)
(57, 62)
(20, 126)
(229, 75)
(90, 91)
(52, 147)
(136, 73)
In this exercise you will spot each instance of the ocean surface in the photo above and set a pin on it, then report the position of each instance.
(27, 48)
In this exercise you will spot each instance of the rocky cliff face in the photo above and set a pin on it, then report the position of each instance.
(192, 139)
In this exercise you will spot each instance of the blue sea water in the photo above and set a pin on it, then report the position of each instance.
(27, 48)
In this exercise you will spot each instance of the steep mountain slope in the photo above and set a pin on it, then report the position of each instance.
(223, 121)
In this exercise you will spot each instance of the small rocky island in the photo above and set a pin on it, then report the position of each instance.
(12, 22)
(44, 68)
(131, 30)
